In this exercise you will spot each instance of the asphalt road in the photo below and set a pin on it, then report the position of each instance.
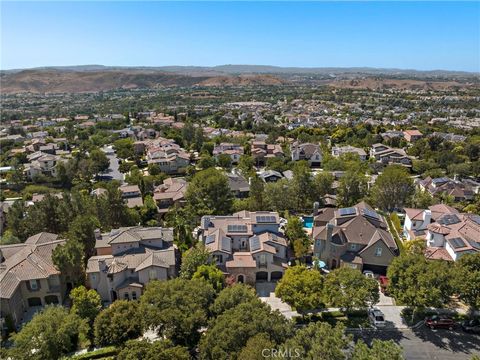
(113, 171)
(426, 344)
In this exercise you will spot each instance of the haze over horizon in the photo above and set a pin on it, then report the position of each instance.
(389, 35)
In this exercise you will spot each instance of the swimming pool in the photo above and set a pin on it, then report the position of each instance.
(307, 222)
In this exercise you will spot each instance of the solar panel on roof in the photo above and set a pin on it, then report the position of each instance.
(476, 219)
(265, 219)
(371, 213)
(457, 243)
(254, 243)
(449, 219)
(237, 228)
(210, 239)
(347, 211)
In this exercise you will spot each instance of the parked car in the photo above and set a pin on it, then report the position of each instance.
(376, 317)
(369, 274)
(440, 322)
(472, 326)
(383, 280)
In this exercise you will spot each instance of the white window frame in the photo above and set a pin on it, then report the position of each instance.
(378, 251)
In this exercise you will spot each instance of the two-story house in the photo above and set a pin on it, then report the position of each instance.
(171, 192)
(132, 195)
(128, 258)
(232, 150)
(307, 151)
(387, 155)
(28, 277)
(338, 151)
(448, 234)
(460, 191)
(356, 236)
(261, 151)
(246, 245)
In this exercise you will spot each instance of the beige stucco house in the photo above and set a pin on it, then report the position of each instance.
(28, 277)
(128, 258)
(246, 245)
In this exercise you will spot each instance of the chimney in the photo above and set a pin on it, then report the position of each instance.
(316, 205)
(427, 217)
(329, 232)
(98, 234)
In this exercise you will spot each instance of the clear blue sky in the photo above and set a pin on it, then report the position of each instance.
(414, 35)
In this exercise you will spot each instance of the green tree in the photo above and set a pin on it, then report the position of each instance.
(347, 288)
(124, 148)
(246, 165)
(393, 188)
(177, 308)
(352, 188)
(301, 288)
(467, 271)
(51, 334)
(294, 229)
(224, 161)
(192, 259)
(230, 331)
(257, 347)
(209, 193)
(303, 187)
(149, 210)
(318, 340)
(211, 274)
(278, 196)
(232, 296)
(206, 162)
(86, 304)
(69, 260)
(82, 230)
(98, 161)
(146, 350)
(118, 323)
(8, 238)
(418, 283)
(380, 350)
(256, 197)
(323, 183)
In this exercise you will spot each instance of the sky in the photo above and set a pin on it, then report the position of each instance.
(407, 35)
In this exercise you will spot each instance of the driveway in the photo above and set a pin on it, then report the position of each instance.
(426, 344)
(266, 293)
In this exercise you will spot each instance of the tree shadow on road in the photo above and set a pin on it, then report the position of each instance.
(454, 340)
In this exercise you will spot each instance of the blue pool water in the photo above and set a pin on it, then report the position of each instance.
(308, 222)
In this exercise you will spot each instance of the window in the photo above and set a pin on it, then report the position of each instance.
(353, 246)
(219, 258)
(126, 297)
(94, 277)
(152, 274)
(263, 259)
(33, 285)
(378, 251)
(134, 295)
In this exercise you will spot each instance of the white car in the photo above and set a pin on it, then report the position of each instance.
(369, 274)
(376, 317)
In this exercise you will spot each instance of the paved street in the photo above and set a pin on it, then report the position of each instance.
(113, 169)
(426, 344)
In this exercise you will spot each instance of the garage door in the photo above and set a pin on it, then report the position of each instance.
(261, 276)
(276, 275)
(376, 269)
(35, 301)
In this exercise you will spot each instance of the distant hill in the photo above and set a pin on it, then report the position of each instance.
(92, 78)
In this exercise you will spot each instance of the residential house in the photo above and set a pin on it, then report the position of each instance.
(448, 233)
(169, 156)
(387, 155)
(28, 277)
(41, 163)
(239, 186)
(338, 151)
(128, 258)
(459, 190)
(170, 193)
(131, 195)
(356, 236)
(261, 151)
(246, 245)
(232, 150)
(412, 135)
(307, 151)
(270, 176)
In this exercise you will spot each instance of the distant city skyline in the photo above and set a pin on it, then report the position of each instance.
(404, 35)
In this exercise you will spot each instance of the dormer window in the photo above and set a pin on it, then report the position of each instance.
(378, 251)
